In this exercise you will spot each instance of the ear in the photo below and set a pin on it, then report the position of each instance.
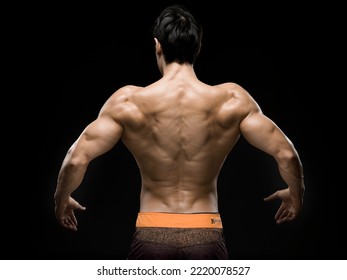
(157, 46)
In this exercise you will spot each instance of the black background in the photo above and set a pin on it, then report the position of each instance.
(70, 59)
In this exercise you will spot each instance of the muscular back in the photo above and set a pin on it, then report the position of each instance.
(180, 132)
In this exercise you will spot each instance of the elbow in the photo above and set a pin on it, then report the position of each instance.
(75, 161)
(287, 158)
(78, 161)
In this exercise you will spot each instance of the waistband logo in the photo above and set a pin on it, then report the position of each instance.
(216, 221)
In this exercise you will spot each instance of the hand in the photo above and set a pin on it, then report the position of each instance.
(289, 208)
(64, 212)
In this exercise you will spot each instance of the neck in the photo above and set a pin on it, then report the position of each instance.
(173, 69)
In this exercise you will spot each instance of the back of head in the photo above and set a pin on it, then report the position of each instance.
(179, 34)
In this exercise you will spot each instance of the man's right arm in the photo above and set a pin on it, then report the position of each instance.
(265, 135)
(96, 139)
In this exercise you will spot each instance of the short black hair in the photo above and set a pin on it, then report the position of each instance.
(179, 34)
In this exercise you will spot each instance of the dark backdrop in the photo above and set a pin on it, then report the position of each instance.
(76, 57)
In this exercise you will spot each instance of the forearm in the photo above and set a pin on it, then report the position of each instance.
(291, 171)
(69, 178)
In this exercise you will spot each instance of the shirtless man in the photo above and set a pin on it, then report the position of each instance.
(180, 130)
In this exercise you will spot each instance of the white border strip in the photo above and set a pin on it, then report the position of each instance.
(173, 269)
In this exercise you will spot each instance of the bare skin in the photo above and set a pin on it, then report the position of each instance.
(180, 131)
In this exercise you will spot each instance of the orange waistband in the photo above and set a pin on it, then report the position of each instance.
(181, 220)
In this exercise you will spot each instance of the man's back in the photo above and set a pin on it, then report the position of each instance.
(180, 130)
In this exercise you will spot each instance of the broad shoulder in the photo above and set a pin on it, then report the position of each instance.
(239, 95)
(237, 103)
(124, 94)
(234, 89)
(121, 96)
(119, 103)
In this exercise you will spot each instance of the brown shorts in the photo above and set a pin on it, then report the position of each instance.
(168, 236)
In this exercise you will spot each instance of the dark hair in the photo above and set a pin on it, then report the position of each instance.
(179, 34)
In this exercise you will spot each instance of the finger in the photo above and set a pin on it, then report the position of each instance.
(287, 218)
(284, 219)
(67, 223)
(284, 214)
(80, 207)
(64, 223)
(71, 227)
(73, 218)
(292, 216)
(271, 197)
(279, 213)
